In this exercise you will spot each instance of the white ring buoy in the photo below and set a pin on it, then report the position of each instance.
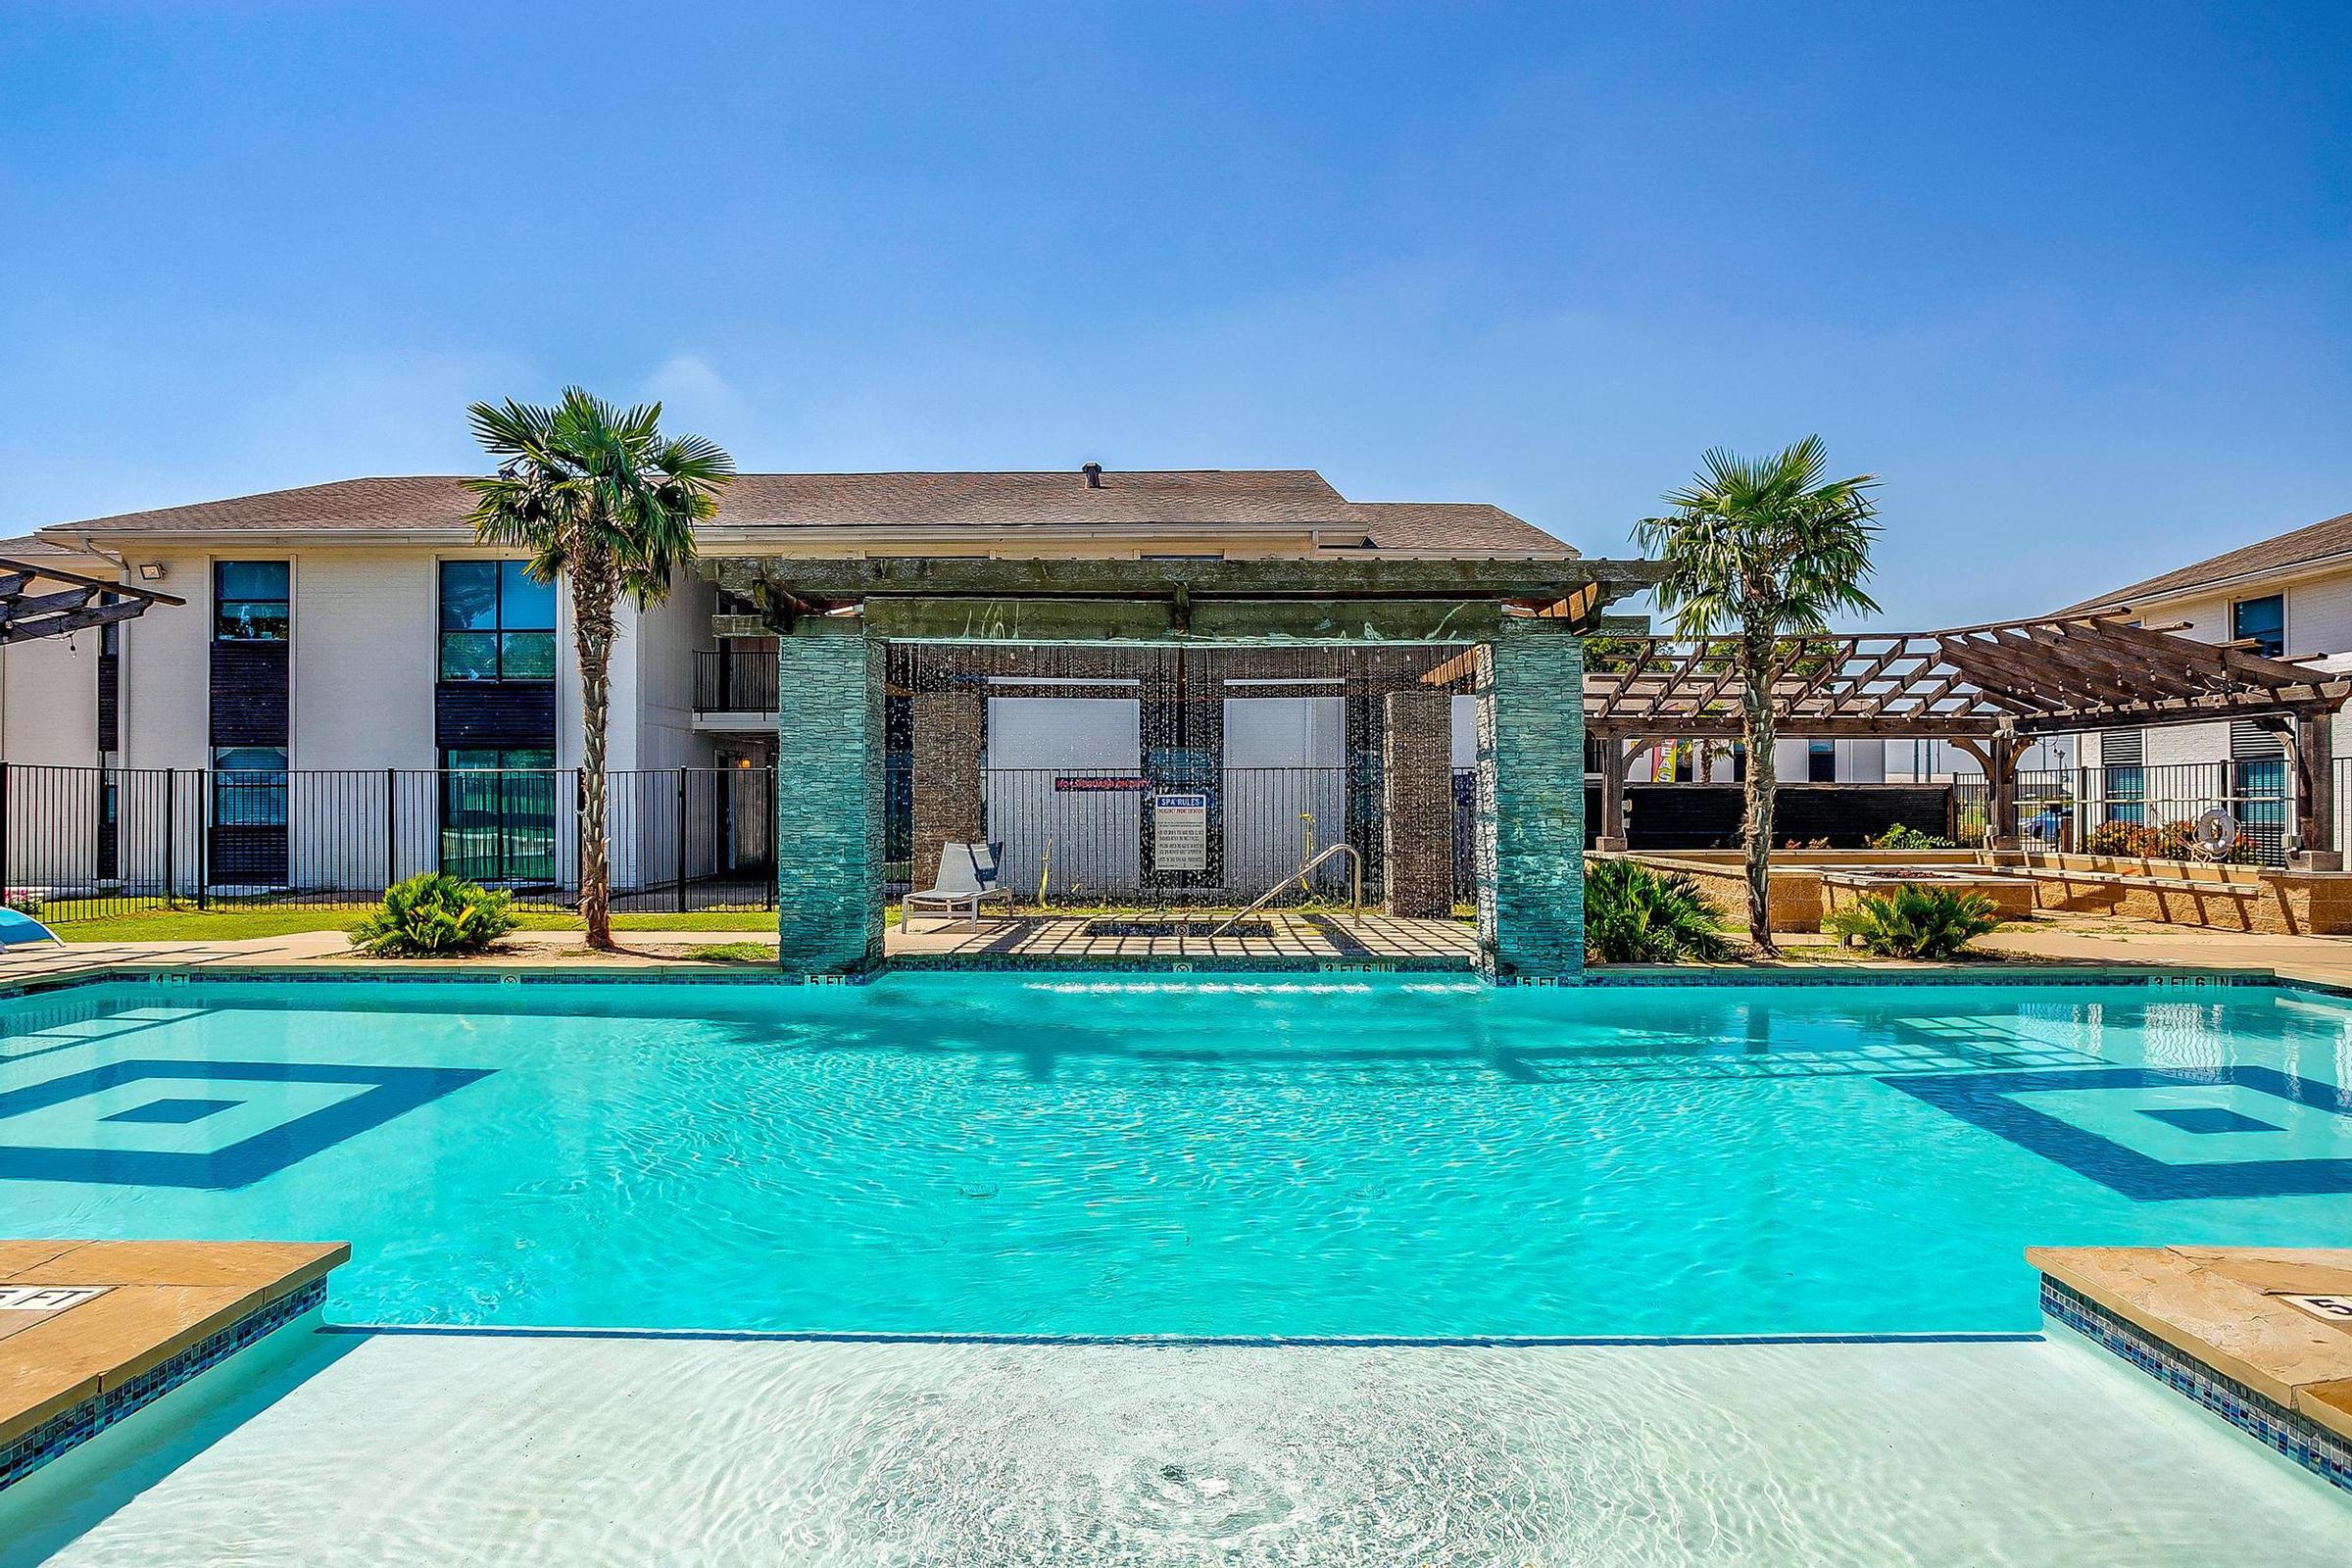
(2217, 834)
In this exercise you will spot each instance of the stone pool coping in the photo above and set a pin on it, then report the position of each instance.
(2218, 1325)
(167, 1312)
(2156, 975)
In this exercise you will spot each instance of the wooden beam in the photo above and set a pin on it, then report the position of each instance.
(1319, 579)
(56, 625)
(146, 596)
(1084, 620)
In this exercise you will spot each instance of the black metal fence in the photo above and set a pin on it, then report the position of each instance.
(81, 842)
(1079, 835)
(2144, 810)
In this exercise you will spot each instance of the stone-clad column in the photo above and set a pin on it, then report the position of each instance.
(829, 829)
(1530, 802)
(946, 775)
(1416, 809)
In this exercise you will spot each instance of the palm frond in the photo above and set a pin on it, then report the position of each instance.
(1763, 544)
(586, 483)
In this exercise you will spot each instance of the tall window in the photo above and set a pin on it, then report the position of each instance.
(496, 624)
(1820, 761)
(250, 601)
(2263, 621)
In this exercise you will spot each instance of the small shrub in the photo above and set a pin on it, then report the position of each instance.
(435, 915)
(1903, 836)
(2159, 841)
(1914, 922)
(2116, 838)
(1636, 915)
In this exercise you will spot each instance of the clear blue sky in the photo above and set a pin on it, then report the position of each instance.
(2076, 280)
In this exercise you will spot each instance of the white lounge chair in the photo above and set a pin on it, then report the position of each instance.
(967, 878)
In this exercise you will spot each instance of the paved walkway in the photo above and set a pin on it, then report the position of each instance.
(638, 949)
(2106, 940)
(1292, 939)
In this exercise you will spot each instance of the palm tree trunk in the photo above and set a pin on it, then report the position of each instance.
(1756, 703)
(593, 591)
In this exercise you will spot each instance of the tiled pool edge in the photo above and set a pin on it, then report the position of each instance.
(2291, 1432)
(2153, 976)
(1185, 1342)
(71, 1428)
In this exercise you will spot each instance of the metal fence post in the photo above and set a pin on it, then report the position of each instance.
(678, 892)
(391, 827)
(579, 829)
(204, 839)
(171, 837)
(8, 836)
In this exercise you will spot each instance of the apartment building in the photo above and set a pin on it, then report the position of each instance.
(366, 686)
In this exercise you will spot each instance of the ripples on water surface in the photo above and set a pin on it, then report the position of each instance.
(994, 1154)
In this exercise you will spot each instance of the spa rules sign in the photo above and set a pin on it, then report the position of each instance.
(1180, 832)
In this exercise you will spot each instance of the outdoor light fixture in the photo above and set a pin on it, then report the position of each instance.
(151, 571)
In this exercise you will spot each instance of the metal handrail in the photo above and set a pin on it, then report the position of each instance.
(1356, 867)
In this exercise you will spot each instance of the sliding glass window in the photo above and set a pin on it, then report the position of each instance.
(498, 814)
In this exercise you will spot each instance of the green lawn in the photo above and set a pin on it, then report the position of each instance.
(239, 922)
(734, 953)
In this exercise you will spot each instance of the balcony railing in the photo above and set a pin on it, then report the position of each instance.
(732, 682)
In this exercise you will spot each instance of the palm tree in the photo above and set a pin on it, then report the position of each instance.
(1765, 550)
(601, 499)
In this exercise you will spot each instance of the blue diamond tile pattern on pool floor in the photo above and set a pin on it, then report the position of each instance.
(2090, 1136)
(173, 1112)
(1199, 1157)
(292, 1111)
(2204, 1119)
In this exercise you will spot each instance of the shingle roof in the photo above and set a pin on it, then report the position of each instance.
(2301, 547)
(1183, 498)
(1453, 525)
(32, 547)
(1008, 500)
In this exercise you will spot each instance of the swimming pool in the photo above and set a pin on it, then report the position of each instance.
(1202, 1156)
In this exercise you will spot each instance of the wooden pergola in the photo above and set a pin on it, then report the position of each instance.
(1992, 690)
(74, 604)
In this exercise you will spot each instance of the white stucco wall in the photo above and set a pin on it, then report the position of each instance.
(49, 739)
(167, 668)
(366, 646)
(665, 639)
(49, 700)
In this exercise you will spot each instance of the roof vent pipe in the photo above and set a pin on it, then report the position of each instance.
(1093, 474)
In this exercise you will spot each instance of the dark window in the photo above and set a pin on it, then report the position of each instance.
(496, 622)
(249, 786)
(1820, 761)
(250, 601)
(498, 814)
(2262, 621)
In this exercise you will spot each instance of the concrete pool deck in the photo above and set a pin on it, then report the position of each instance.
(90, 1331)
(2277, 1322)
(2056, 942)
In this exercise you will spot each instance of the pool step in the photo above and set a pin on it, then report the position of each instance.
(2262, 1337)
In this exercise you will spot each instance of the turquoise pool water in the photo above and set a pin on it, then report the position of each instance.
(1197, 1156)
